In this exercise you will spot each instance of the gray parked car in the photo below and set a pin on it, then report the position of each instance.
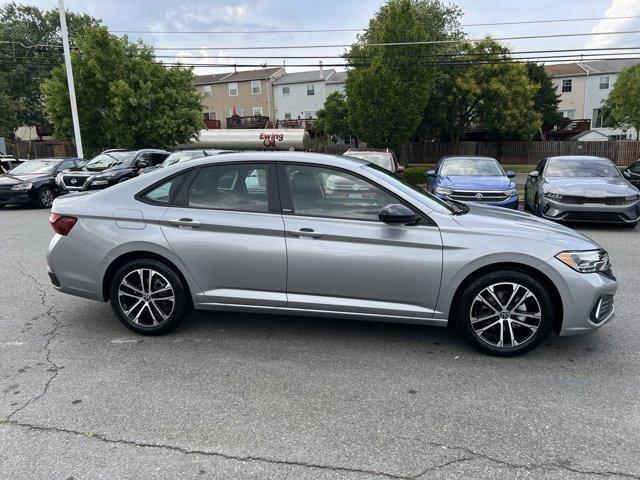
(262, 232)
(582, 189)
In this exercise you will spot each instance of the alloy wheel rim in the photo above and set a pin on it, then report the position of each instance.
(46, 197)
(146, 297)
(505, 315)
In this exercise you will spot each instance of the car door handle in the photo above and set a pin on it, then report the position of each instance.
(185, 222)
(304, 232)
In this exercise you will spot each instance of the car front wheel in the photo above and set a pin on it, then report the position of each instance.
(45, 197)
(148, 297)
(504, 313)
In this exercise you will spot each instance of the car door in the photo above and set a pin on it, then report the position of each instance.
(227, 230)
(342, 258)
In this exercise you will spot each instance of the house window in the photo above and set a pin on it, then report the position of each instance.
(286, 91)
(311, 89)
(239, 112)
(206, 91)
(257, 111)
(256, 89)
(599, 119)
(568, 114)
(287, 116)
(210, 115)
(567, 85)
(233, 89)
(604, 83)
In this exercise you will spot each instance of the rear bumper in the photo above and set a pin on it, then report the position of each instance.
(620, 214)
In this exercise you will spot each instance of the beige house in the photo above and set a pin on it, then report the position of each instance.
(570, 81)
(249, 92)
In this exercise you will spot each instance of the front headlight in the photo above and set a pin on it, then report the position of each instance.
(553, 196)
(443, 191)
(586, 261)
(21, 187)
(511, 192)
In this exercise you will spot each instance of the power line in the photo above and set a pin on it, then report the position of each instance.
(329, 30)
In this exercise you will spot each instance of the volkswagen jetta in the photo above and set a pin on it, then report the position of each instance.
(259, 232)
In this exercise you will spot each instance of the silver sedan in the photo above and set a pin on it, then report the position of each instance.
(273, 233)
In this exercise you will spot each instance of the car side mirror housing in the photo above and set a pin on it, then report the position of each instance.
(626, 174)
(431, 173)
(400, 168)
(534, 174)
(397, 214)
(511, 174)
(144, 164)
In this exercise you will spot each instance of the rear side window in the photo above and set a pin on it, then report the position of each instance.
(241, 187)
(163, 193)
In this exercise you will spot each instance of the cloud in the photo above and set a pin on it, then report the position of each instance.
(618, 8)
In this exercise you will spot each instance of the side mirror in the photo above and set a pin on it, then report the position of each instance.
(534, 174)
(397, 214)
(511, 174)
(400, 168)
(626, 174)
(431, 173)
(144, 164)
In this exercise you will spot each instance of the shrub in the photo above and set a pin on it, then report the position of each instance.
(415, 175)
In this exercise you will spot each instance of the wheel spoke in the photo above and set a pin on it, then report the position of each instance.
(530, 327)
(128, 285)
(515, 287)
(527, 294)
(158, 310)
(484, 301)
(493, 295)
(128, 312)
(148, 305)
(514, 343)
(129, 295)
(475, 320)
(484, 329)
(141, 275)
(163, 289)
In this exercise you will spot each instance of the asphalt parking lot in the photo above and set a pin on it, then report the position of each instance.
(231, 396)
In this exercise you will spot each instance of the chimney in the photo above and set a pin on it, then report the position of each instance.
(321, 71)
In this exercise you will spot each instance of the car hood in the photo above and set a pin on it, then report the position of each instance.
(589, 187)
(476, 183)
(497, 220)
(15, 179)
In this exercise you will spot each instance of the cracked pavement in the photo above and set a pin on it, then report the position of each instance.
(255, 396)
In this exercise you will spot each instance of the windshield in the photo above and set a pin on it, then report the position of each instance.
(111, 159)
(34, 167)
(581, 167)
(471, 167)
(179, 157)
(381, 159)
(413, 191)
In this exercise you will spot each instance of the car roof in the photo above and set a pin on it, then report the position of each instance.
(469, 157)
(578, 157)
(283, 156)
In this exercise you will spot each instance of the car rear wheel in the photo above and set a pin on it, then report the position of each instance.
(504, 313)
(148, 297)
(45, 197)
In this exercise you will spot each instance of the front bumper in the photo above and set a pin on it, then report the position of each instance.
(16, 197)
(589, 212)
(587, 298)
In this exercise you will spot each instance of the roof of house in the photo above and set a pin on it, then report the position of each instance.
(338, 77)
(564, 69)
(580, 135)
(242, 76)
(609, 66)
(304, 77)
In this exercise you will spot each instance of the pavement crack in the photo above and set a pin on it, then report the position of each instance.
(53, 368)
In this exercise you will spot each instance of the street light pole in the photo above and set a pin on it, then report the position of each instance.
(72, 88)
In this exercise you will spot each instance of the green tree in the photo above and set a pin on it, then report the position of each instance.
(623, 103)
(546, 99)
(125, 97)
(332, 117)
(481, 88)
(23, 67)
(389, 85)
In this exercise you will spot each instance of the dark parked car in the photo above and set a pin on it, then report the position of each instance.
(582, 189)
(32, 182)
(109, 168)
(183, 156)
(632, 173)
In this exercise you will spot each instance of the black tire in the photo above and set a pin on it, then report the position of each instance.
(536, 206)
(45, 197)
(144, 325)
(526, 339)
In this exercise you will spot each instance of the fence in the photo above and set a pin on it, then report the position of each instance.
(45, 149)
(516, 153)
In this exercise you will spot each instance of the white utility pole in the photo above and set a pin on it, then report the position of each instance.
(72, 88)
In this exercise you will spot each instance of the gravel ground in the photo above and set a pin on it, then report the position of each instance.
(231, 396)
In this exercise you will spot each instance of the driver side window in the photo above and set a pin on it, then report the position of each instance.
(324, 192)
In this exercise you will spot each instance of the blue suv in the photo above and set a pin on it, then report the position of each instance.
(474, 179)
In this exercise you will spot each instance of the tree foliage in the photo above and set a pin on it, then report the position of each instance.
(125, 98)
(389, 85)
(23, 68)
(623, 104)
(546, 99)
(482, 90)
(332, 117)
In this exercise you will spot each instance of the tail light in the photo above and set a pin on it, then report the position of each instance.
(62, 224)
